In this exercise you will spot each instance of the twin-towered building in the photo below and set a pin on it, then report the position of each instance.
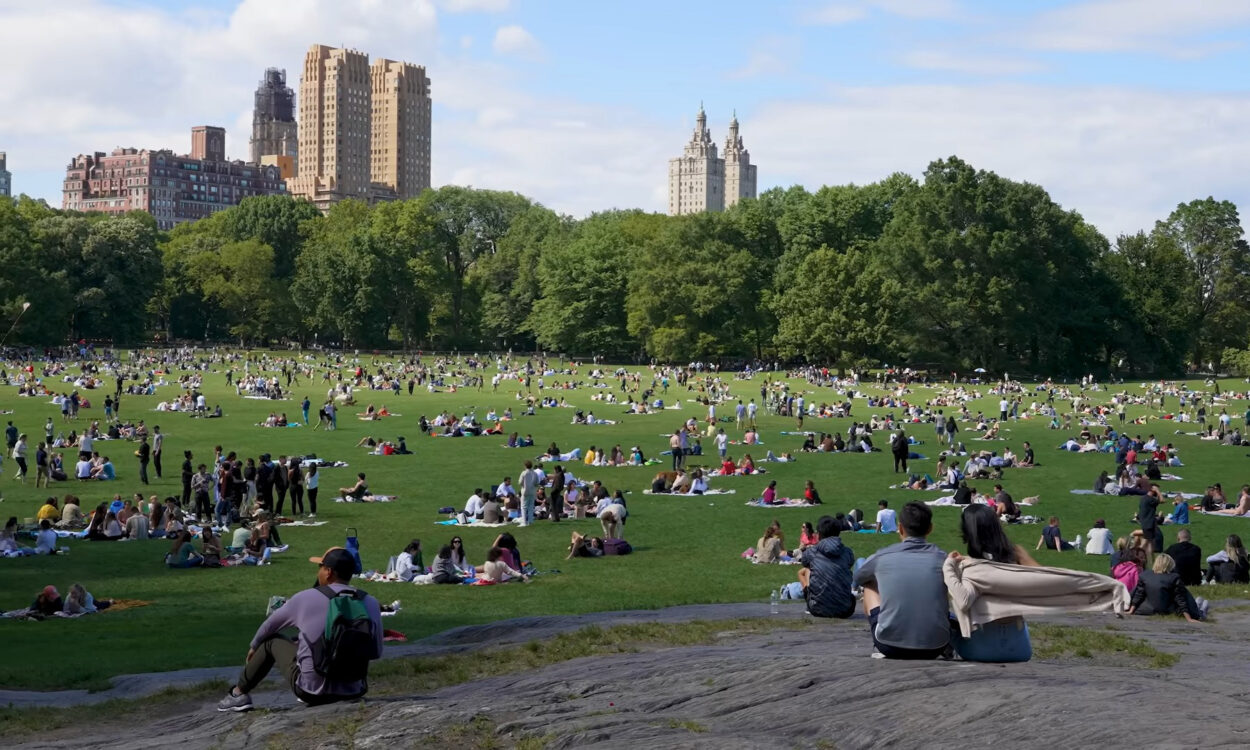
(700, 180)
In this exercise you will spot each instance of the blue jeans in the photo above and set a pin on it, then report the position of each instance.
(527, 508)
(1000, 641)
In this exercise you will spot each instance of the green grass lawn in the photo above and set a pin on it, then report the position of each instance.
(687, 549)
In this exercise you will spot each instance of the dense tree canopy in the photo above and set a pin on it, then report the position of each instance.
(961, 269)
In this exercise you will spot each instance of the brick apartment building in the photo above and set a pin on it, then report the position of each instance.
(173, 188)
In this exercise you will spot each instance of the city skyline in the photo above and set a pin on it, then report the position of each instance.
(1119, 109)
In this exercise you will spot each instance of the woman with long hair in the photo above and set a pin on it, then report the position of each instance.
(459, 559)
(768, 548)
(1005, 640)
(1229, 565)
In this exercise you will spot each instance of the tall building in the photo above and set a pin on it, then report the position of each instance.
(364, 130)
(6, 179)
(700, 180)
(401, 127)
(739, 171)
(173, 188)
(274, 131)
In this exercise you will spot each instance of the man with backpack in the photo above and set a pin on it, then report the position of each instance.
(340, 632)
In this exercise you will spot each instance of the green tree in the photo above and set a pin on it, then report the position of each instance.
(842, 308)
(115, 275)
(1209, 233)
(239, 279)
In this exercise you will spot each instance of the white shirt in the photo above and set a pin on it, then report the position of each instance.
(473, 506)
(1099, 542)
(722, 441)
(887, 520)
(508, 490)
(157, 441)
(84, 444)
(1002, 405)
(45, 542)
(82, 469)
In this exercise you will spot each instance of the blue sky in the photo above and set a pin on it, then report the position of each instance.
(1120, 108)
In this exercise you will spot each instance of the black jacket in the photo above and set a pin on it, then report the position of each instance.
(1188, 557)
(1159, 594)
(829, 589)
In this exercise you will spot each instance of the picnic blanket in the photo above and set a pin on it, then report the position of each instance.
(366, 499)
(476, 524)
(719, 473)
(305, 523)
(1186, 495)
(1170, 478)
(116, 605)
(782, 502)
(687, 494)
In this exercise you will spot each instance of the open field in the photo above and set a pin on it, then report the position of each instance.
(686, 548)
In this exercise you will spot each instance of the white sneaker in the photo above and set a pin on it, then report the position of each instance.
(312, 515)
(877, 654)
(395, 605)
(1077, 541)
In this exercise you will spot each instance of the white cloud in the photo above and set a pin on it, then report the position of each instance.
(849, 11)
(771, 56)
(1165, 27)
(836, 14)
(971, 63)
(1122, 158)
(466, 42)
(474, 6)
(515, 40)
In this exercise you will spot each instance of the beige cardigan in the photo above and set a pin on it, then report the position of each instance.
(982, 591)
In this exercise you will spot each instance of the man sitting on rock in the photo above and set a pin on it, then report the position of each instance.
(826, 572)
(905, 594)
(340, 632)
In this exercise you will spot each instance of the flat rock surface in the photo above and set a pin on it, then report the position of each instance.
(816, 687)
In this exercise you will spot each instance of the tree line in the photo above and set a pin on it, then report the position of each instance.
(960, 269)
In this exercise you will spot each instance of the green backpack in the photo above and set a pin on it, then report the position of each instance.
(344, 651)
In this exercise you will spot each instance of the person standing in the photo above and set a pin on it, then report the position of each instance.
(41, 465)
(187, 473)
(311, 481)
(158, 443)
(939, 426)
(304, 406)
(529, 493)
(19, 456)
(1147, 516)
(10, 436)
(280, 483)
(901, 449)
(48, 431)
(332, 415)
(145, 456)
(295, 482)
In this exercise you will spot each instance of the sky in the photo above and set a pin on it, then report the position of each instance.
(1121, 109)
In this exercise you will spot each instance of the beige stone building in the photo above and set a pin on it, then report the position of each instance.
(701, 180)
(364, 130)
(401, 127)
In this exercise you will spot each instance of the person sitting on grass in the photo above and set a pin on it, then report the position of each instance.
(826, 573)
(1052, 537)
(1231, 564)
(497, 569)
(1160, 591)
(409, 564)
(443, 569)
(769, 547)
(256, 550)
(887, 519)
(1099, 539)
(182, 554)
(301, 662)
(358, 490)
(904, 593)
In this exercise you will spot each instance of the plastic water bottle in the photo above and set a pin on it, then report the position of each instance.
(774, 598)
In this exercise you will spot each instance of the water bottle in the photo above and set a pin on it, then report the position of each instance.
(773, 598)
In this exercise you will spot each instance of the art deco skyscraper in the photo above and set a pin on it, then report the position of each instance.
(6, 179)
(401, 127)
(335, 113)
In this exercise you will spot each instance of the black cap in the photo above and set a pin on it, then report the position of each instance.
(338, 560)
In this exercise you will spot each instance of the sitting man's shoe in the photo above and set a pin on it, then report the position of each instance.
(236, 703)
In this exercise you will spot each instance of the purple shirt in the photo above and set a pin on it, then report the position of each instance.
(306, 611)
